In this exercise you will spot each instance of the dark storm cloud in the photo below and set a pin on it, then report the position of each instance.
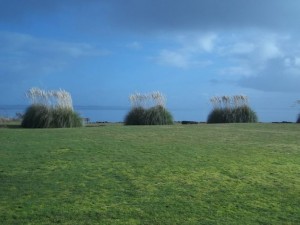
(152, 15)
(16, 10)
(23, 56)
(206, 14)
(276, 76)
(270, 22)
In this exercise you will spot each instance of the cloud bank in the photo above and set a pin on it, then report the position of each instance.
(258, 60)
(252, 43)
(167, 15)
(205, 14)
(24, 55)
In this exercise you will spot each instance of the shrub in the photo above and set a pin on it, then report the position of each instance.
(158, 115)
(231, 109)
(298, 120)
(243, 114)
(37, 116)
(188, 122)
(50, 109)
(148, 109)
(216, 116)
(136, 116)
(65, 117)
(41, 116)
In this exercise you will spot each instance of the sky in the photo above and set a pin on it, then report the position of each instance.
(101, 51)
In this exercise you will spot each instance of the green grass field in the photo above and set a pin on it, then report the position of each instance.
(180, 174)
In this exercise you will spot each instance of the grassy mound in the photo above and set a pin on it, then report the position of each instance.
(41, 116)
(242, 114)
(157, 115)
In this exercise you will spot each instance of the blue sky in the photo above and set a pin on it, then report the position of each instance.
(101, 51)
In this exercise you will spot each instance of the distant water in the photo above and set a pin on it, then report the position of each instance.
(11, 110)
(102, 113)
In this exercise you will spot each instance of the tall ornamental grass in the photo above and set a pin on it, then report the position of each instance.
(50, 109)
(231, 109)
(136, 116)
(298, 119)
(148, 109)
(158, 115)
(37, 116)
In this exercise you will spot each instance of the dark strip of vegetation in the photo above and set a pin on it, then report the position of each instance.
(188, 122)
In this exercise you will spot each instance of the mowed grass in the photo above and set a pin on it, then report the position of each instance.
(180, 174)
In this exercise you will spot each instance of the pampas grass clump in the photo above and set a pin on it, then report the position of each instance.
(65, 117)
(50, 109)
(237, 115)
(158, 115)
(298, 119)
(37, 116)
(148, 109)
(136, 116)
(231, 109)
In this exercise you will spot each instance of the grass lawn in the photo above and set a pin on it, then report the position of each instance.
(180, 174)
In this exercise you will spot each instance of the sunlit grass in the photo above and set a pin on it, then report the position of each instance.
(193, 174)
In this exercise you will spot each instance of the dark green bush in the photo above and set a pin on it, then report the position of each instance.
(37, 116)
(156, 115)
(41, 116)
(136, 116)
(242, 114)
(64, 117)
(298, 120)
(216, 116)
(188, 122)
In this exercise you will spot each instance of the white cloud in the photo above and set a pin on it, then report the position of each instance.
(181, 59)
(269, 50)
(251, 59)
(236, 71)
(22, 53)
(190, 52)
(134, 45)
(297, 61)
(16, 42)
(241, 48)
(292, 62)
(292, 66)
(196, 43)
(206, 42)
(172, 58)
